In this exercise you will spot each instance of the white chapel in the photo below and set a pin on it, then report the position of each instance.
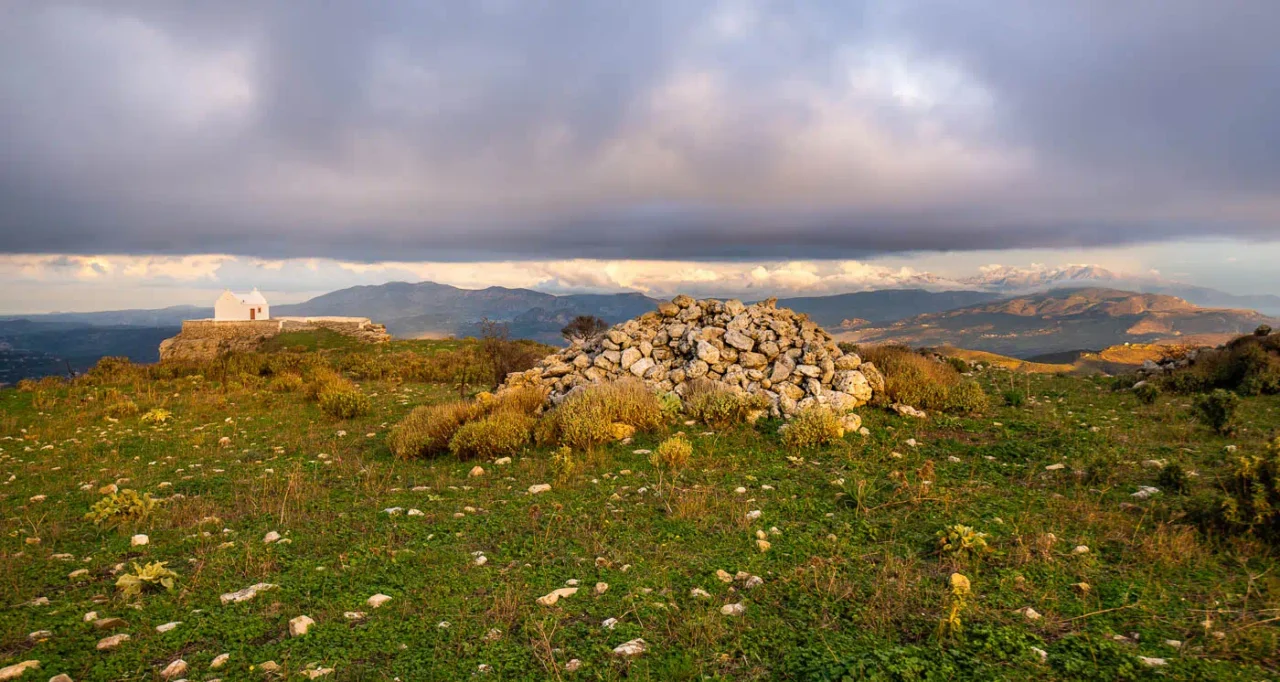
(239, 307)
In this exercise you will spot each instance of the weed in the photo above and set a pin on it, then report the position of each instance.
(286, 383)
(812, 427)
(962, 542)
(672, 454)
(923, 381)
(497, 435)
(716, 405)
(1173, 478)
(344, 400)
(157, 415)
(428, 429)
(1015, 398)
(151, 576)
(125, 507)
(1147, 393)
(585, 419)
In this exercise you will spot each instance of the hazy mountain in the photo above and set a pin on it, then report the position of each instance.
(160, 317)
(881, 306)
(1063, 320)
(38, 348)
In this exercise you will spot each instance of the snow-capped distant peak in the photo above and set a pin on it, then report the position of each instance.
(1039, 276)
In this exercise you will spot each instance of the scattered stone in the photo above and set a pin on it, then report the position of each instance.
(1173, 643)
(1152, 662)
(39, 636)
(272, 666)
(630, 649)
(753, 514)
(1145, 491)
(1080, 549)
(724, 576)
(61, 677)
(1055, 467)
(554, 596)
(168, 626)
(573, 665)
(317, 673)
(377, 600)
(601, 588)
(16, 670)
(1044, 655)
(753, 582)
(353, 615)
(908, 411)
(300, 625)
(764, 545)
(539, 488)
(733, 609)
(174, 669)
(219, 661)
(476, 472)
(502, 461)
(78, 574)
(270, 537)
(247, 593)
(699, 593)
(109, 623)
(1082, 588)
(1029, 613)
(609, 623)
(139, 540)
(109, 643)
(415, 512)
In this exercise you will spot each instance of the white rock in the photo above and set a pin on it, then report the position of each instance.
(1152, 662)
(1055, 467)
(630, 649)
(481, 560)
(393, 511)
(1080, 549)
(609, 623)
(733, 609)
(753, 514)
(539, 488)
(476, 472)
(109, 643)
(573, 665)
(13, 672)
(353, 615)
(1029, 613)
(1044, 655)
(139, 540)
(174, 669)
(270, 537)
(601, 588)
(168, 626)
(1145, 491)
(219, 661)
(502, 461)
(554, 596)
(300, 625)
(247, 593)
(377, 600)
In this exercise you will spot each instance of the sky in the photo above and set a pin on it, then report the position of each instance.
(155, 151)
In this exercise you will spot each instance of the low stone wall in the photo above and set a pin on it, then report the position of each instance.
(207, 339)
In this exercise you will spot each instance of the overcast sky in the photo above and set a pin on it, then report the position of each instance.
(760, 133)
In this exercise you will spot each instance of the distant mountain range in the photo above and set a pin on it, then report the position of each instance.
(982, 318)
(1064, 320)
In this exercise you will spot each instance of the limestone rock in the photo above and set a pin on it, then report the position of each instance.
(630, 649)
(554, 596)
(300, 625)
(112, 642)
(13, 672)
(174, 669)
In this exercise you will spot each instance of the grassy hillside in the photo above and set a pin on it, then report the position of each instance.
(853, 584)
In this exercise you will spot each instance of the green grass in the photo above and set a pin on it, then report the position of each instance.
(853, 584)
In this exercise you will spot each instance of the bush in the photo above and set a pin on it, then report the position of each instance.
(812, 427)
(718, 406)
(1253, 495)
(125, 507)
(1249, 365)
(526, 400)
(1147, 393)
(427, 430)
(1262, 330)
(673, 453)
(959, 365)
(962, 541)
(157, 415)
(120, 406)
(1173, 478)
(1015, 398)
(320, 377)
(1217, 410)
(923, 381)
(344, 400)
(286, 383)
(497, 435)
(586, 418)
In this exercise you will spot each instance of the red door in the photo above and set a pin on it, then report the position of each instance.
(253, 313)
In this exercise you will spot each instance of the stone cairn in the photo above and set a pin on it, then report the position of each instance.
(757, 349)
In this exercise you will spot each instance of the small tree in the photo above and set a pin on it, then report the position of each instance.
(1217, 410)
(1262, 330)
(584, 327)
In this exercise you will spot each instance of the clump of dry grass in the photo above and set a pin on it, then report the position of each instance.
(812, 427)
(672, 454)
(344, 400)
(428, 429)
(586, 418)
(497, 435)
(718, 406)
(922, 381)
(287, 382)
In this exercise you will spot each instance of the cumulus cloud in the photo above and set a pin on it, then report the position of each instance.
(670, 130)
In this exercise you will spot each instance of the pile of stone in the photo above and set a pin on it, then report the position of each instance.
(1170, 364)
(757, 349)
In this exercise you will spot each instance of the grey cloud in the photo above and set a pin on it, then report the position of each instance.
(456, 131)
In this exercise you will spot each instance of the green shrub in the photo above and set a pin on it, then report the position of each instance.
(320, 377)
(1253, 495)
(1217, 410)
(1262, 330)
(153, 575)
(125, 507)
(671, 406)
(718, 406)
(286, 383)
(427, 430)
(157, 415)
(344, 400)
(1015, 398)
(960, 365)
(497, 435)
(672, 454)
(1173, 478)
(922, 381)
(812, 427)
(1249, 365)
(586, 418)
(1147, 393)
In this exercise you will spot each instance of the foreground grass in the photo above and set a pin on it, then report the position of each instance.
(852, 583)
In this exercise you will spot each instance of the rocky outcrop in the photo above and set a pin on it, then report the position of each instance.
(757, 349)
(202, 340)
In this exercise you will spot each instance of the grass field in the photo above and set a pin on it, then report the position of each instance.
(852, 585)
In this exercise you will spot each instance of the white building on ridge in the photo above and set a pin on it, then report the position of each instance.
(239, 307)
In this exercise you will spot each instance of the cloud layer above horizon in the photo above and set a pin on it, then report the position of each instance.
(671, 130)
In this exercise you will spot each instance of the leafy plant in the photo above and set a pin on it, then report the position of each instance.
(286, 383)
(151, 576)
(563, 463)
(671, 405)
(1015, 398)
(716, 405)
(586, 419)
(1147, 393)
(1253, 493)
(962, 541)
(584, 327)
(958, 592)
(1217, 410)
(1173, 478)
(121, 508)
(157, 415)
